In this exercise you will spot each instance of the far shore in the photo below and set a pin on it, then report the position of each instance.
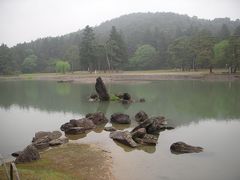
(129, 76)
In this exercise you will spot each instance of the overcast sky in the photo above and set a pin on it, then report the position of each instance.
(26, 20)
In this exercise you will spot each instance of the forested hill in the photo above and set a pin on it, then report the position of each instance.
(156, 32)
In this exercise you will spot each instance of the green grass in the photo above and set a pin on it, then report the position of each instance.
(67, 162)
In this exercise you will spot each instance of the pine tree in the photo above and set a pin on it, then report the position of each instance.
(88, 50)
(116, 50)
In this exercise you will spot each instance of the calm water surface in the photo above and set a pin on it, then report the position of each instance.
(205, 114)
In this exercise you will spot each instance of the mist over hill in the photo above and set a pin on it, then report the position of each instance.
(158, 30)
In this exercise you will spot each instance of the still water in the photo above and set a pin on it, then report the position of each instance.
(204, 114)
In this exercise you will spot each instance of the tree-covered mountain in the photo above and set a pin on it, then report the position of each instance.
(165, 32)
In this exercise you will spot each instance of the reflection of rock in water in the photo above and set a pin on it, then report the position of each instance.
(99, 128)
(77, 136)
(121, 126)
(147, 149)
(103, 106)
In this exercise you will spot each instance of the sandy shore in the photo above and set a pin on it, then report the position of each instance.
(131, 76)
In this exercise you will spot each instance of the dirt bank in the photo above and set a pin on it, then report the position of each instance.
(129, 76)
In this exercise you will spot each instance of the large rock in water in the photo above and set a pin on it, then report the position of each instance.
(101, 90)
(97, 118)
(152, 125)
(29, 154)
(77, 126)
(120, 118)
(181, 147)
(141, 116)
(123, 137)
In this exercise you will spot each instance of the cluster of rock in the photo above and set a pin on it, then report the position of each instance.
(146, 133)
(80, 126)
(103, 95)
(41, 140)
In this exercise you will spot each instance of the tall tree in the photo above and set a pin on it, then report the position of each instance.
(29, 64)
(224, 32)
(117, 50)
(181, 54)
(237, 31)
(72, 56)
(88, 50)
(6, 62)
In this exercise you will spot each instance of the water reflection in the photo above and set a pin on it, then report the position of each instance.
(181, 101)
(146, 148)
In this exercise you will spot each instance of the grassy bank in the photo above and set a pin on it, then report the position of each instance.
(68, 162)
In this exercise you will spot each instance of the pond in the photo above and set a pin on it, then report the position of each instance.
(205, 114)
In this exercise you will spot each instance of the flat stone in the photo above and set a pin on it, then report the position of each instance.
(181, 147)
(59, 141)
(141, 116)
(120, 118)
(123, 137)
(29, 154)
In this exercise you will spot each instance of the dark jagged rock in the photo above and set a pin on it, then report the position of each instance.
(110, 129)
(59, 141)
(142, 100)
(93, 97)
(55, 135)
(66, 126)
(141, 116)
(143, 124)
(44, 134)
(16, 154)
(75, 130)
(148, 139)
(97, 118)
(29, 154)
(126, 96)
(40, 134)
(101, 90)
(139, 133)
(123, 137)
(120, 118)
(84, 123)
(42, 143)
(181, 147)
(156, 125)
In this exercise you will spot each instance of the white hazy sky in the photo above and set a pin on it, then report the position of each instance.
(26, 20)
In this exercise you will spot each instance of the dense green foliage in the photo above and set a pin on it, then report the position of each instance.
(62, 66)
(144, 58)
(179, 41)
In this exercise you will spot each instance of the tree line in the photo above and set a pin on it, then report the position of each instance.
(133, 42)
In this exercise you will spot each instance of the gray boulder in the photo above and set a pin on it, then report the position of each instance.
(44, 134)
(152, 125)
(40, 134)
(123, 137)
(139, 133)
(42, 143)
(141, 116)
(59, 141)
(75, 130)
(147, 139)
(120, 118)
(29, 154)
(97, 118)
(181, 147)
(101, 90)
